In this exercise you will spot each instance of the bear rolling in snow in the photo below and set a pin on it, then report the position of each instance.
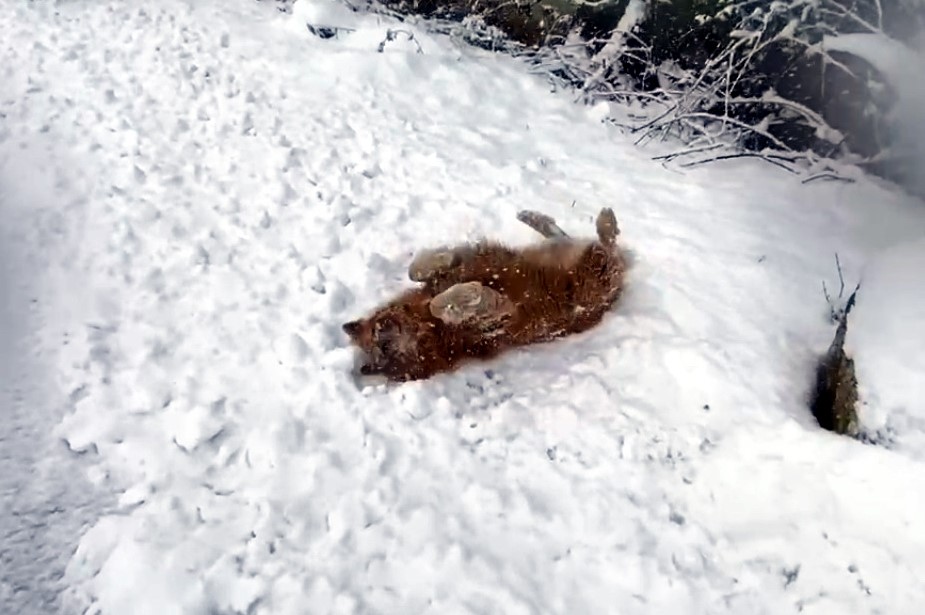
(476, 300)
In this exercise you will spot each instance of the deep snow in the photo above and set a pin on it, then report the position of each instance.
(219, 190)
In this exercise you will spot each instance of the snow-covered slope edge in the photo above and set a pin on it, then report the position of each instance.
(251, 186)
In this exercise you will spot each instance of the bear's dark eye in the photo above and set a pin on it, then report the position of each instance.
(386, 346)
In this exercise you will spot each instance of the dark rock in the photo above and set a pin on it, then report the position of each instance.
(835, 395)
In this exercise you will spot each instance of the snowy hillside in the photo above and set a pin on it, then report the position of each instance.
(204, 191)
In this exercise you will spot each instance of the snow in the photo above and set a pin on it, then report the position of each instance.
(888, 326)
(901, 65)
(210, 191)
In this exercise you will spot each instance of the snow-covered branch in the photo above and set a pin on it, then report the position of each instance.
(746, 76)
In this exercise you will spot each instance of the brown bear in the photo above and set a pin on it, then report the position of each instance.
(476, 300)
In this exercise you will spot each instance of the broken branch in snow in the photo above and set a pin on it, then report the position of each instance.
(327, 31)
(391, 35)
(827, 175)
(778, 161)
(838, 312)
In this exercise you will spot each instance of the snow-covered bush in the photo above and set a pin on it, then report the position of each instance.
(759, 74)
(764, 78)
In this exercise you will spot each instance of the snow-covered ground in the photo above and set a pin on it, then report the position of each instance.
(202, 192)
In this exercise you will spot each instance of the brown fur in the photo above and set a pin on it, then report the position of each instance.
(556, 288)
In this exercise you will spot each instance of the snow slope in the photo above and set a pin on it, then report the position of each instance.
(241, 187)
(886, 337)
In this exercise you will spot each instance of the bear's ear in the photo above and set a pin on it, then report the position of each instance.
(353, 328)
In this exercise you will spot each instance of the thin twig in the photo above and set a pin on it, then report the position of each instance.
(740, 155)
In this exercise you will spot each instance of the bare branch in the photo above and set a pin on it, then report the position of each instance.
(771, 159)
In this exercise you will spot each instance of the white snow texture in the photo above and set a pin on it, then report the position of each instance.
(210, 189)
